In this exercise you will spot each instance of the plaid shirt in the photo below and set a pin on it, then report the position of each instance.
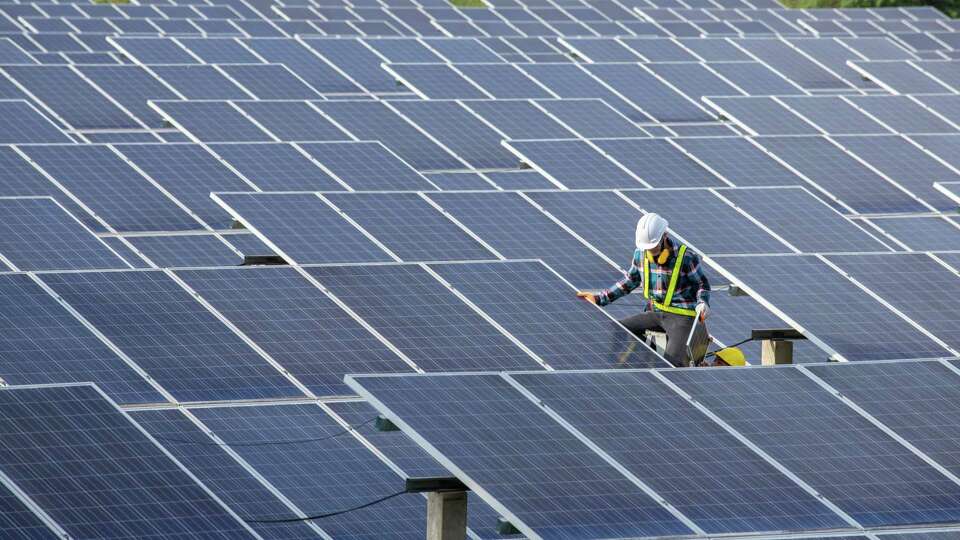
(692, 285)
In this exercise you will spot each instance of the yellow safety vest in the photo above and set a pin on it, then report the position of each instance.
(665, 306)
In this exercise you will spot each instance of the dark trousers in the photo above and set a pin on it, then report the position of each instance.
(677, 328)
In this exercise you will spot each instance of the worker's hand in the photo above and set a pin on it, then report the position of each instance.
(703, 311)
(588, 296)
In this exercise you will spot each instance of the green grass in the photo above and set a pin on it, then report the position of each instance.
(950, 7)
(468, 3)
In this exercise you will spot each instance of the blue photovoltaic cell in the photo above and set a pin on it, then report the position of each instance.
(658, 163)
(923, 233)
(199, 82)
(410, 227)
(292, 121)
(218, 470)
(436, 81)
(522, 179)
(899, 394)
(838, 452)
(219, 50)
(834, 115)
(942, 146)
(574, 164)
(248, 244)
(10, 53)
(714, 50)
(402, 50)
(503, 81)
(577, 210)
(600, 50)
(423, 318)
(357, 61)
(189, 173)
(119, 483)
(738, 161)
(762, 116)
(111, 188)
(132, 87)
(645, 91)
(125, 251)
(304, 62)
(24, 124)
(185, 250)
(37, 234)
(173, 337)
(947, 105)
(463, 133)
(905, 164)
(569, 81)
(275, 167)
(270, 81)
(455, 181)
(154, 50)
(303, 227)
(799, 218)
(321, 476)
(755, 79)
(827, 305)
(366, 166)
(902, 114)
(214, 121)
(372, 121)
(296, 323)
(840, 174)
(43, 343)
(553, 483)
(782, 57)
(694, 80)
(834, 56)
(560, 328)
(928, 305)
(901, 77)
(518, 119)
(686, 457)
(943, 71)
(72, 98)
(16, 520)
(591, 118)
(709, 224)
(462, 50)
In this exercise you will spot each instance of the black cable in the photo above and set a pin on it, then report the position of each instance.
(330, 514)
(267, 443)
(737, 344)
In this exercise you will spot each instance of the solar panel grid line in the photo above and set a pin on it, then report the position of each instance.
(532, 164)
(910, 321)
(756, 449)
(462, 227)
(880, 425)
(882, 174)
(610, 460)
(35, 509)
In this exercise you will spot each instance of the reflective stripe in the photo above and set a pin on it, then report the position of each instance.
(674, 277)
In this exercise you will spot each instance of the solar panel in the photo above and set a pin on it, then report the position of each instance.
(302, 227)
(928, 305)
(738, 161)
(462, 50)
(833, 115)
(305, 63)
(779, 55)
(755, 78)
(518, 119)
(219, 471)
(435, 81)
(712, 50)
(947, 106)
(847, 459)
(218, 50)
(25, 124)
(923, 233)
(292, 121)
(591, 118)
(761, 116)
(840, 175)
(646, 92)
(834, 56)
(905, 164)
(200, 82)
(902, 114)
(423, 318)
(600, 50)
(946, 72)
(249, 244)
(274, 167)
(188, 172)
(503, 81)
(522, 179)
(149, 50)
(826, 305)
(169, 334)
(185, 250)
(70, 97)
(296, 323)
(373, 121)
(606, 230)
(366, 166)
(693, 80)
(120, 483)
(698, 462)
(900, 77)
(942, 146)
(270, 81)
(569, 81)
(110, 188)
(17, 519)
(211, 121)
(402, 50)
(455, 181)
(323, 476)
(659, 50)
(658, 163)
(553, 484)
(572, 163)
(360, 63)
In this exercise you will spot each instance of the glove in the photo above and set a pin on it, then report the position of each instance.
(588, 296)
(703, 311)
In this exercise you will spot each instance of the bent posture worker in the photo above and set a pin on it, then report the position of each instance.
(672, 281)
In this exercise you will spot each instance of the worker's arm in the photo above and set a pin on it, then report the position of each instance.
(695, 273)
(630, 281)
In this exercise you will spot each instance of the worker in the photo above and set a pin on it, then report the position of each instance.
(675, 286)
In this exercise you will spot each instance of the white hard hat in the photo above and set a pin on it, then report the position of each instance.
(650, 230)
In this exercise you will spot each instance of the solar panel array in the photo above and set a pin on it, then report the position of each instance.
(435, 183)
